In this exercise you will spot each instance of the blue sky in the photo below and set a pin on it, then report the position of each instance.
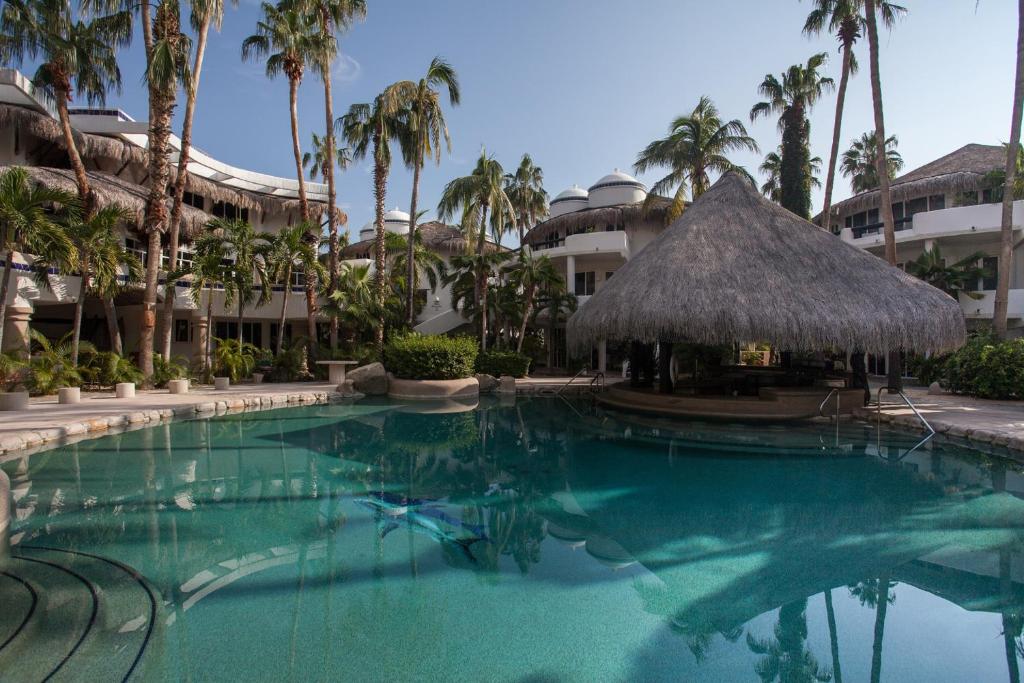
(584, 85)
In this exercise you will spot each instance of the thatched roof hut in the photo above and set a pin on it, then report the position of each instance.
(654, 209)
(436, 236)
(737, 267)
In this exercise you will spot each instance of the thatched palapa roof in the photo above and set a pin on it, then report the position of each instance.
(738, 267)
(623, 214)
(436, 236)
(959, 171)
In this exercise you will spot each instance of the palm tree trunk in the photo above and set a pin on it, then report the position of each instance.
(293, 108)
(481, 277)
(792, 169)
(830, 614)
(241, 314)
(76, 330)
(113, 331)
(332, 219)
(410, 269)
(380, 277)
(81, 179)
(208, 351)
(284, 309)
(880, 610)
(530, 292)
(179, 188)
(6, 286)
(1012, 150)
(826, 218)
(148, 323)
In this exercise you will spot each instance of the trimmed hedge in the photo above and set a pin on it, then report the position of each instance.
(498, 363)
(415, 356)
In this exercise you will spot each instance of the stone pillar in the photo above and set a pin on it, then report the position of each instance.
(16, 328)
(570, 274)
(602, 356)
(199, 337)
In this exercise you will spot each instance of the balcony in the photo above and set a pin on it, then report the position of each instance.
(611, 242)
(960, 220)
(981, 309)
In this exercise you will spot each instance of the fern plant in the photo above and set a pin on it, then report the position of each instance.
(51, 367)
(12, 370)
(235, 359)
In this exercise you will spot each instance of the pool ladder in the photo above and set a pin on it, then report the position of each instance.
(917, 413)
(596, 384)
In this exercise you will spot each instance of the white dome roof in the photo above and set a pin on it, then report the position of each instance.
(396, 215)
(574, 192)
(617, 178)
(573, 199)
(395, 221)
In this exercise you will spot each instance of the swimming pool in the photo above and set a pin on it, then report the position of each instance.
(532, 540)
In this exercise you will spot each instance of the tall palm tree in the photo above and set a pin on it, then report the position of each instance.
(26, 223)
(532, 276)
(204, 14)
(785, 657)
(772, 167)
(474, 195)
(860, 162)
(427, 132)
(250, 252)
(166, 68)
(792, 98)
(425, 262)
(844, 18)
(108, 285)
(331, 16)
(374, 126)
(290, 252)
(696, 145)
(320, 159)
(525, 189)
(207, 270)
(76, 57)
(1012, 155)
(98, 256)
(354, 300)
(464, 275)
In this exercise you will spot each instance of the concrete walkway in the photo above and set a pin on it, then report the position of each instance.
(46, 423)
(999, 424)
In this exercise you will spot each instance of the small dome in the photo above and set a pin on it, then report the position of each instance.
(573, 199)
(617, 179)
(396, 215)
(617, 188)
(395, 221)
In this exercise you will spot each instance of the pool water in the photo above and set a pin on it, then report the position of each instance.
(534, 540)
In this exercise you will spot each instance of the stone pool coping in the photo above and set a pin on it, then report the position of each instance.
(47, 424)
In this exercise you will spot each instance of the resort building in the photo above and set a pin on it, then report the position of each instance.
(588, 235)
(113, 147)
(949, 204)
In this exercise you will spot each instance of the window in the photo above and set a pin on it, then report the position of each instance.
(229, 211)
(897, 210)
(873, 217)
(136, 249)
(181, 330)
(919, 205)
(990, 196)
(193, 199)
(937, 202)
(298, 278)
(585, 283)
(859, 219)
(287, 333)
(991, 277)
(184, 258)
(252, 332)
(608, 274)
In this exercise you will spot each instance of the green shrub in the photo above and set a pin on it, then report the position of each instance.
(234, 359)
(106, 368)
(13, 370)
(414, 356)
(166, 370)
(927, 369)
(498, 363)
(986, 368)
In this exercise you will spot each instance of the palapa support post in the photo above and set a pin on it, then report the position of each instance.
(859, 374)
(665, 367)
(894, 372)
(635, 363)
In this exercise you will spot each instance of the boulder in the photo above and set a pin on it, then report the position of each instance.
(934, 389)
(488, 383)
(507, 385)
(346, 390)
(371, 379)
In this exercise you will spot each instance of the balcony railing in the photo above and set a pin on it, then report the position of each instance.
(876, 228)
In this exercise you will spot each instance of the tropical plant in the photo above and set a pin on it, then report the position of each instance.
(474, 195)
(792, 98)
(1010, 179)
(166, 370)
(416, 356)
(427, 131)
(844, 18)
(13, 365)
(207, 271)
(696, 145)
(250, 252)
(289, 253)
(772, 167)
(76, 56)
(320, 160)
(426, 263)
(558, 304)
(995, 180)
(532, 276)
(785, 657)
(51, 366)
(465, 271)
(860, 163)
(498, 363)
(26, 224)
(353, 302)
(167, 51)
(234, 358)
(203, 15)
(954, 279)
(373, 127)
(525, 189)
(106, 369)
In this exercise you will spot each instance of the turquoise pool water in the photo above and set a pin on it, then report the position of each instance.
(531, 541)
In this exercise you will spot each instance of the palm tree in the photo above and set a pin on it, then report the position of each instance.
(791, 99)
(250, 252)
(772, 167)
(464, 274)
(206, 271)
(843, 17)
(98, 257)
(425, 262)
(76, 56)
(427, 131)
(204, 14)
(559, 304)
(320, 159)
(353, 302)
(108, 285)
(785, 656)
(525, 189)
(25, 223)
(860, 163)
(290, 253)
(1012, 155)
(532, 276)
(375, 126)
(474, 195)
(166, 68)
(696, 145)
(876, 594)
(953, 279)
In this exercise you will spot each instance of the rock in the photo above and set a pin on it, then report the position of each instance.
(934, 389)
(371, 379)
(488, 383)
(346, 390)
(507, 385)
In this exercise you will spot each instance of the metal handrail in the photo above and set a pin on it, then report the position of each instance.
(571, 380)
(599, 381)
(821, 406)
(878, 409)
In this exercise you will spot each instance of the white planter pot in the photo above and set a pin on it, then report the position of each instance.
(69, 395)
(13, 400)
(178, 386)
(125, 390)
(257, 378)
(221, 383)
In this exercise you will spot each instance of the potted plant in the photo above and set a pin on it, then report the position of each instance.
(12, 379)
